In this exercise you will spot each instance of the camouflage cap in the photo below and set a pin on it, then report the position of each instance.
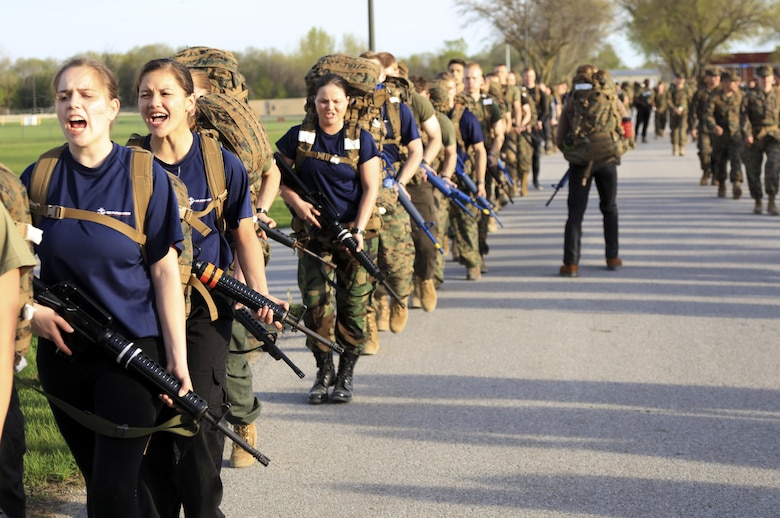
(764, 71)
(728, 75)
(713, 71)
(439, 96)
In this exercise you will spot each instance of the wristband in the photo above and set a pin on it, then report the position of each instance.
(261, 210)
(356, 230)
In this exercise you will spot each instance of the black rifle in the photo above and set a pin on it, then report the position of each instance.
(407, 204)
(92, 322)
(459, 197)
(268, 339)
(291, 242)
(484, 205)
(329, 222)
(558, 186)
(217, 279)
(495, 172)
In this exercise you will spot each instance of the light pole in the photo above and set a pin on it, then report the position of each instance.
(371, 25)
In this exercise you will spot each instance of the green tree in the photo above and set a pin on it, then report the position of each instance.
(686, 35)
(553, 36)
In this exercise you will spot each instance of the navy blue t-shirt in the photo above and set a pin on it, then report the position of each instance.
(106, 264)
(409, 132)
(339, 182)
(470, 131)
(214, 248)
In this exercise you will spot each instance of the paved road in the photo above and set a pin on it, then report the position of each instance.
(647, 392)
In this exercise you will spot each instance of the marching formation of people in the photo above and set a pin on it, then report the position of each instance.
(734, 125)
(386, 175)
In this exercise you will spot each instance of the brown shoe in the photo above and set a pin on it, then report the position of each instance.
(569, 270)
(382, 314)
(614, 263)
(473, 274)
(722, 190)
(704, 180)
(771, 208)
(737, 191)
(757, 209)
(428, 296)
(398, 316)
(239, 457)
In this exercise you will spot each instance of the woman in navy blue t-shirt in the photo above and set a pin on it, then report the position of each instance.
(142, 293)
(353, 192)
(166, 100)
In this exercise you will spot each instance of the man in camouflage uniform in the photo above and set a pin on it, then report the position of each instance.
(699, 130)
(678, 98)
(759, 124)
(491, 118)
(661, 106)
(542, 104)
(522, 129)
(721, 118)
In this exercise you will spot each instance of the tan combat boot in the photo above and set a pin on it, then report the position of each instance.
(239, 457)
(524, 185)
(372, 335)
(398, 316)
(675, 149)
(428, 295)
(771, 208)
(414, 300)
(381, 313)
(757, 209)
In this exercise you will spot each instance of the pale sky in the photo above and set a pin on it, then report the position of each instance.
(56, 29)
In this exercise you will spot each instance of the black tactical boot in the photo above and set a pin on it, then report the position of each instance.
(342, 392)
(326, 377)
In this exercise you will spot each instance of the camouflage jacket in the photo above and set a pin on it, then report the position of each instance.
(759, 112)
(698, 106)
(723, 110)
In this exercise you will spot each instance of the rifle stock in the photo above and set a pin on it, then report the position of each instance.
(290, 242)
(483, 204)
(456, 195)
(93, 323)
(219, 280)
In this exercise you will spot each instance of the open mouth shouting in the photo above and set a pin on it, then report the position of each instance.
(156, 119)
(76, 124)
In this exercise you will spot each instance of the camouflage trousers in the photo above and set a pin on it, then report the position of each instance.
(337, 300)
(754, 156)
(425, 250)
(660, 123)
(678, 128)
(727, 150)
(704, 145)
(467, 234)
(395, 251)
(512, 154)
(443, 206)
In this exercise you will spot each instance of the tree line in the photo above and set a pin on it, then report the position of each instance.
(552, 36)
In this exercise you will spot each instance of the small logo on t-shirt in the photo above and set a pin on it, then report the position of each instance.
(102, 210)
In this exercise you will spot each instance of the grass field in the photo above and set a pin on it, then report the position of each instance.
(48, 462)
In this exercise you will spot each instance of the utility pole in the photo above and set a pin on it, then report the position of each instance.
(371, 25)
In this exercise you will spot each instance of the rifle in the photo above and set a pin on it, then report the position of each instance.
(92, 322)
(258, 330)
(503, 169)
(407, 204)
(291, 242)
(484, 205)
(329, 222)
(558, 186)
(453, 193)
(216, 279)
(501, 180)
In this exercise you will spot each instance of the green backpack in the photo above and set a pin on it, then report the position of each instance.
(596, 132)
(220, 65)
(14, 196)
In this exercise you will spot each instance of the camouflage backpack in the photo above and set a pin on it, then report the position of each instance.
(240, 131)
(220, 65)
(14, 196)
(364, 111)
(596, 132)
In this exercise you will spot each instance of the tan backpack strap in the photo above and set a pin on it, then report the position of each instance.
(40, 179)
(141, 164)
(215, 175)
(204, 292)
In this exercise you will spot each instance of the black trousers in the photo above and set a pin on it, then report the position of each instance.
(425, 258)
(605, 176)
(92, 381)
(12, 448)
(642, 120)
(185, 471)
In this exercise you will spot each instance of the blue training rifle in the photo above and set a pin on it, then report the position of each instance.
(453, 193)
(482, 202)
